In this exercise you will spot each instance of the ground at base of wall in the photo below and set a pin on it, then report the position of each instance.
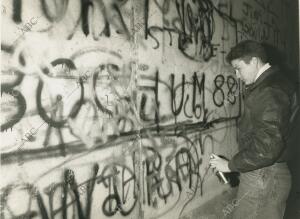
(215, 208)
(219, 207)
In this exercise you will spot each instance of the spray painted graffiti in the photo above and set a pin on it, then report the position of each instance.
(164, 177)
(112, 108)
(194, 24)
(190, 24)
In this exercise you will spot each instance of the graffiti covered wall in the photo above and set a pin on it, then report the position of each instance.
(112, 107)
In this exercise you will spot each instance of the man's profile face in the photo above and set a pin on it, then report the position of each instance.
(245, 71)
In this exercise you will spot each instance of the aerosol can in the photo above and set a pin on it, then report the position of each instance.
(219, 174)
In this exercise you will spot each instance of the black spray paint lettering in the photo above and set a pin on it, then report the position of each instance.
(29, 135)
(52, 187)
(110, 175)
(197, 100)
(219, 94)
(107, 103)
(70, 178)
(260, 23)
(19, 98)
(13, 93)
(74, 112)
(117, 179)
(189, 25)
(83, 77)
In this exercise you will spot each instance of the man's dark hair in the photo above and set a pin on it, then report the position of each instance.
(245, 50)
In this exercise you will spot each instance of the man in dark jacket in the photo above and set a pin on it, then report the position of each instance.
(265, 179)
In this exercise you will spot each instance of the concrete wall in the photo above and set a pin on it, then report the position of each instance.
(112, 108)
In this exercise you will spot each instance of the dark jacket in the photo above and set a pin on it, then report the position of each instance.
(264, 124)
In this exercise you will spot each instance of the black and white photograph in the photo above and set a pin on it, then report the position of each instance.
(150, 109)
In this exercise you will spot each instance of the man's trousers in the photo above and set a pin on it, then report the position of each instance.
(262, 193)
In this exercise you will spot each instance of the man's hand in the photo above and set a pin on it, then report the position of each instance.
(219, 163)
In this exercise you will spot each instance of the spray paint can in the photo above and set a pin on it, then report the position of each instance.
(219, 174)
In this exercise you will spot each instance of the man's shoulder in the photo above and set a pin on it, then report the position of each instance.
(275, 88)
(278, 81)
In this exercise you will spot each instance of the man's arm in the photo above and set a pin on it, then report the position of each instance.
(269, 118)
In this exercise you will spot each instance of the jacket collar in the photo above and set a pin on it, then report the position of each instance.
(262, 70)
(262, 78)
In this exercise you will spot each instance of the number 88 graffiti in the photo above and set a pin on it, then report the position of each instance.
(232, 87)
